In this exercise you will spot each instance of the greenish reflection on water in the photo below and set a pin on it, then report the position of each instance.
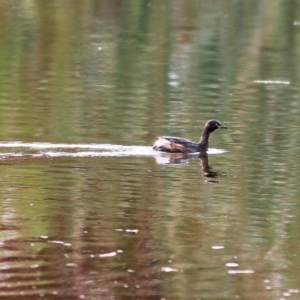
(122, 72)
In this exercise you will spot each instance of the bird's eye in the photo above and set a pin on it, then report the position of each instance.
(217, 124)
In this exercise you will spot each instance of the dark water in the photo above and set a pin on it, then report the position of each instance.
(88, 210)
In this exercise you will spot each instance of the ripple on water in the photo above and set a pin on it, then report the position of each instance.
(25, 271)
(75, 150)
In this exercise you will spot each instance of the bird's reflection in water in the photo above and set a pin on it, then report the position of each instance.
(179, 159)
(206, 168)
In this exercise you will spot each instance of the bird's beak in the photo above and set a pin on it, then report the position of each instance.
(223, 126)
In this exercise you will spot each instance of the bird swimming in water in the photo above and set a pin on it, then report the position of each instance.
(173, 144)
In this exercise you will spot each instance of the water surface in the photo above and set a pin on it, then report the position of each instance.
(89, 210)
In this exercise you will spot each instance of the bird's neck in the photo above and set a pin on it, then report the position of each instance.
(204, 138)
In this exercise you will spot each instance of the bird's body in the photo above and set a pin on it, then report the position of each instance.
(172, 144)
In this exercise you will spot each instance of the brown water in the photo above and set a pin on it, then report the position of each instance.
(89, 210)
